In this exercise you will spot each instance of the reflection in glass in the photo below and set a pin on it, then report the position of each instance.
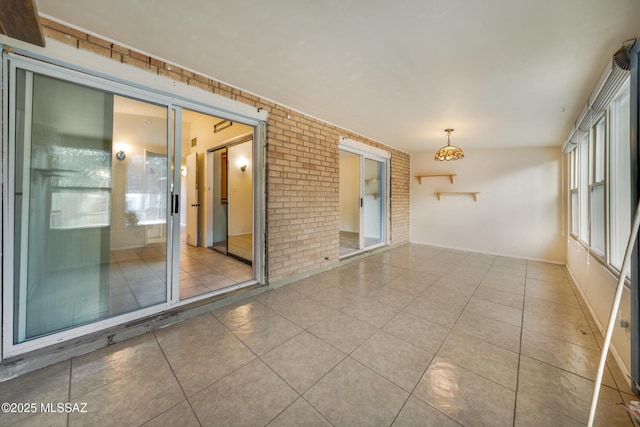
(349, 202)
(79, 257)
(373, 203)
(240, 197)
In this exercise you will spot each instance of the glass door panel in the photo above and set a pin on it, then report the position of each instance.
(90, 207)
(350, 201)
(220, 200)
(373, 202)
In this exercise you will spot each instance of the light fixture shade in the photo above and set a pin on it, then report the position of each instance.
(449, 152)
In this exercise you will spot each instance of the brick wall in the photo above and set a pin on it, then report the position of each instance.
(302, 166)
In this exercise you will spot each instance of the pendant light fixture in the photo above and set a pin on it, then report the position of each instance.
(449, 152)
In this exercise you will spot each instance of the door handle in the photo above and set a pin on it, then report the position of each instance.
(195, 205)
(175, 203)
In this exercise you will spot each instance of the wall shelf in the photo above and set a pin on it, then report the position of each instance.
(473, 194)
(450, 175)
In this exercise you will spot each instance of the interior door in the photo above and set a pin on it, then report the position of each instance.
(192, 199)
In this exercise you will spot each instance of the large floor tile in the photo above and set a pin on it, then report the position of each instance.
(266, 332)
(488, 360)
(180, 415)
(493, 331)
(469, 275)
(503, 282)
(554, 311)
(501, 297)
(313, 284)
(393, 298)
(189, 333)
(353, 395)
(108, 364)
(395, 359)
(462, 288)
(580, 334)
(280, 296)
(304, 312)
(342, 331)
(447, 296)
(547, 272)
(530, 413)
(49, 384)
(198, 367)
(131, 400)
(495, 311)
(303, 360)
(567, 393)
(337, 297)
(371, 311)
(465, 396)
(417, 331)
(416, 413)
(241, 313)
(433, 311)
(251, 396)
(574, 358)
(300, 413)
(413, 284)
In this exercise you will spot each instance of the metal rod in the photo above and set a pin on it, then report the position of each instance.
(612, 317)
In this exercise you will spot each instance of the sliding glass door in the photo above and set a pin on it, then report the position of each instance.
(363, 208)
(89, 205)
(94, 187)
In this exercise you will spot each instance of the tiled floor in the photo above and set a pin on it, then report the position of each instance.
(415, 336)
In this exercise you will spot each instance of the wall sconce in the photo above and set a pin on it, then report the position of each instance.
(183, 170)
(121, 149)
(242, 163)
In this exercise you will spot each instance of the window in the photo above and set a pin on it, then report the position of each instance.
(573, 188)
(619, 179)
(600, 183)
(583, 187)
(597, 143)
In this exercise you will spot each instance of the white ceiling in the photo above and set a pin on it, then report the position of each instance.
(503, 73)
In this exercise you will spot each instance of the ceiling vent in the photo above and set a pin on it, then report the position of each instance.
(621, 58)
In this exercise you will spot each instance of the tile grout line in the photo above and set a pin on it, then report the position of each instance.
(524, 296)
(439, 347)
(175, 376)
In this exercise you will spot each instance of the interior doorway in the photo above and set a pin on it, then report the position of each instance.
(232, 202)
(219, 204)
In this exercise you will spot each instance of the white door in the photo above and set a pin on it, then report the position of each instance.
(192, 199)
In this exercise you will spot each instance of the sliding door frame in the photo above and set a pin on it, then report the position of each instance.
(174, 104)
(364, 152)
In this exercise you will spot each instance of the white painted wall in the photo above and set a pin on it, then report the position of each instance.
(240, 189)
(598, 286)
(519, 208)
